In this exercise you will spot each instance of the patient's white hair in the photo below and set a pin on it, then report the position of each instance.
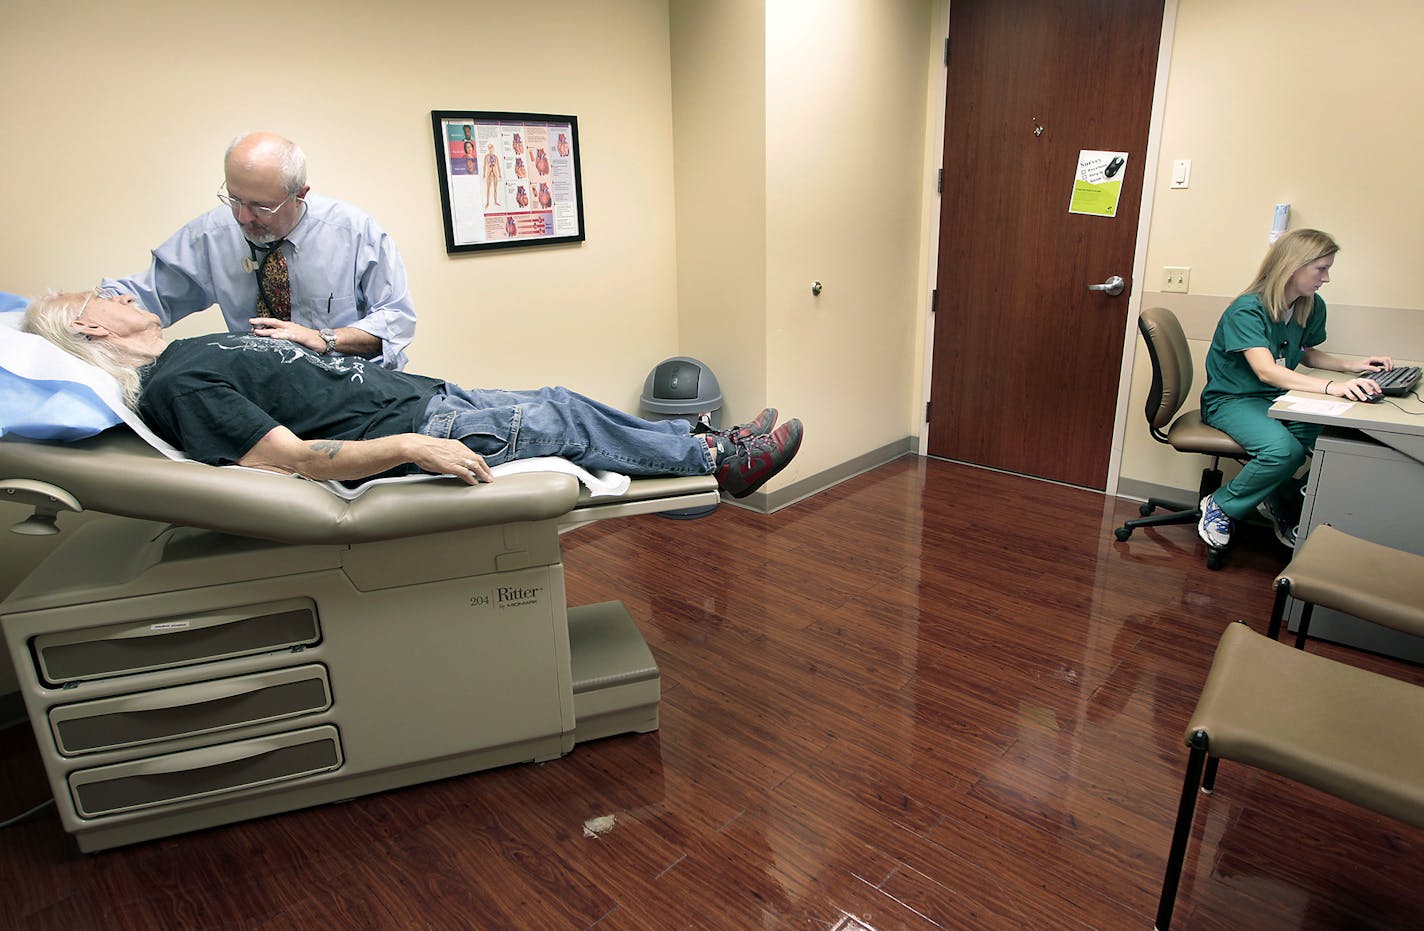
(53, 316)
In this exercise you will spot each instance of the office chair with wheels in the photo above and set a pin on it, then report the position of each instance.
(1171, 383)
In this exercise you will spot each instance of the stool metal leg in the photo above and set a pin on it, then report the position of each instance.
(1278, 609)
(1306, 609)
(1182, 833)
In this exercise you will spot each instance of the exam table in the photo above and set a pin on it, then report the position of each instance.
(229, 644)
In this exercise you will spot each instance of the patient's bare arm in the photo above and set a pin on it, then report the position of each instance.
(281, 450)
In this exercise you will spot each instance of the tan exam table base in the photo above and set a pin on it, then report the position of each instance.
(237, 644)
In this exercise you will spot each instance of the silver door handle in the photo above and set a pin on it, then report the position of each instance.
(1113, 286)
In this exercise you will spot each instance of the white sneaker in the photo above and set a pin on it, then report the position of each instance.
(1284, 532)
(1214, 527)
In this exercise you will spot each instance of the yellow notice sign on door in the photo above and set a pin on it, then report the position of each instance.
(1097, 187)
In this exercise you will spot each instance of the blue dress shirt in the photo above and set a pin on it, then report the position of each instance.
(345, 272)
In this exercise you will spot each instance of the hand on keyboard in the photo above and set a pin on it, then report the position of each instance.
(1399, 380)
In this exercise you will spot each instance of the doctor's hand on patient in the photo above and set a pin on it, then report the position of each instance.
(272, 328)
(350, 341)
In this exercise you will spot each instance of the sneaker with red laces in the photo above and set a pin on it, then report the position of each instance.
(757, 426)
(744, 465)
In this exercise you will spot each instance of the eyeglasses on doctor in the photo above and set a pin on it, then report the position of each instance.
(260, 209)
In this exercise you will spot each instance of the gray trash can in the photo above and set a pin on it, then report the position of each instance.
(680, 388)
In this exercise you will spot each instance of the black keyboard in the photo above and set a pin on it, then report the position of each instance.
(1397, 381)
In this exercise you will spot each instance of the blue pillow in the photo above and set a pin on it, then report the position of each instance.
(51, 410)
(45, 393)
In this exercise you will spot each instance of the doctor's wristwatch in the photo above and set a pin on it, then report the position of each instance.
(329, 337)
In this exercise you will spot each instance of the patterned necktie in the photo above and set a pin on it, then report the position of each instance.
(274, 287)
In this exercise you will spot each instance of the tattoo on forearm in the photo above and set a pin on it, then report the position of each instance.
(330, 447)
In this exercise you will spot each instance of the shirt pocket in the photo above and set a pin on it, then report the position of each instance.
(330, 310)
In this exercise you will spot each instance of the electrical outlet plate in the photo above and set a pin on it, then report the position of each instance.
(1175, 279)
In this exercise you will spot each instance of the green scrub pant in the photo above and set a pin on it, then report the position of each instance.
(1277, 448)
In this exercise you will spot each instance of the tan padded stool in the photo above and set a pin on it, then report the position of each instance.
(1373, 582)
(1335, 727)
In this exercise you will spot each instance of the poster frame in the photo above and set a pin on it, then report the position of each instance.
(471, 226)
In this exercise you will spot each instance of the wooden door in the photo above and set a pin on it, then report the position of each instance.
(1026, 359)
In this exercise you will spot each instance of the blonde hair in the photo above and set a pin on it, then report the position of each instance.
(53, 316)
(1288, 255)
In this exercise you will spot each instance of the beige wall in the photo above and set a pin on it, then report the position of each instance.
(1288, 101)
(800, 136)
(719, 120)
(117, 137)
(847, 190)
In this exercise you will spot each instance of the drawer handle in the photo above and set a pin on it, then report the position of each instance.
(210, 756)
(198, 694)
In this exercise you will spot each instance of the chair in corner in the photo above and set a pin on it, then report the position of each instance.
(1171, 384)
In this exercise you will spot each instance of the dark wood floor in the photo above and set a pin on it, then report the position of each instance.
(933, 697)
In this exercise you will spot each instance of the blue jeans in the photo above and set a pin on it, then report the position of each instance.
(506, 425)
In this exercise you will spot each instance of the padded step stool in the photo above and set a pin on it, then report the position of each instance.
(1337, 728)
(1335, 570)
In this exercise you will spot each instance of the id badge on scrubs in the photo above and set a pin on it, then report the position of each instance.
(1281, 361)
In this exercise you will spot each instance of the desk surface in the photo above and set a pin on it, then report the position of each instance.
(1394, 421)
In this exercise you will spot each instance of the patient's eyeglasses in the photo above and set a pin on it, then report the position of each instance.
(97, 291)
(260, 209)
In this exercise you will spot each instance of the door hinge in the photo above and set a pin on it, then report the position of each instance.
(939, 184)
(934, 300)
(927, 411)
(946, 51)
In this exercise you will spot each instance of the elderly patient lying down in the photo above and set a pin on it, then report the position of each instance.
(275, 405)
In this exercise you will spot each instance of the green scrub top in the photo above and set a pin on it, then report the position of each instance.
(1246, 324)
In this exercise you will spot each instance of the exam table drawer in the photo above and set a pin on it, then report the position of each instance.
(209, 771)
(160, 643)
(189, 710)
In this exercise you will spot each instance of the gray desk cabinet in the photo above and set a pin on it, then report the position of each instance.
(1372, 491)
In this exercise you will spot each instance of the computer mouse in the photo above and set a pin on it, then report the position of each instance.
(1375, 398)
(1113, 166)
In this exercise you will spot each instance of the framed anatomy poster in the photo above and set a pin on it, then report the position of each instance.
(508, 179)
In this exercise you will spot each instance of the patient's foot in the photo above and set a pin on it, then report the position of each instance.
(757, 426)
(749, 463)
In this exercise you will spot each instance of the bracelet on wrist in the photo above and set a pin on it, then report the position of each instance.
(1327, 386)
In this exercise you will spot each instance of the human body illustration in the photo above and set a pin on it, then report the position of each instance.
(492, 176)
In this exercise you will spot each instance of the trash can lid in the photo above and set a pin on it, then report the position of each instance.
(679, 385)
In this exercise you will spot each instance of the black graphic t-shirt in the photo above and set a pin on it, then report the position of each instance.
(214, 397)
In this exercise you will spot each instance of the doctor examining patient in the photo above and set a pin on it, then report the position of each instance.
(331, 403)
(282, 262)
